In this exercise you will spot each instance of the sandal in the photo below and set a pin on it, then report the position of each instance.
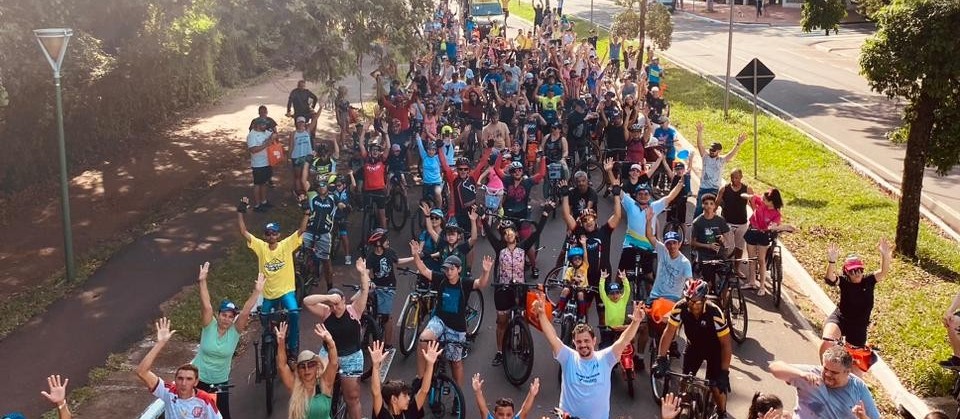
(750, 286)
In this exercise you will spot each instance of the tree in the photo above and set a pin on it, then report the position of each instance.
(822, 14)
(912, 57)
(657, 23)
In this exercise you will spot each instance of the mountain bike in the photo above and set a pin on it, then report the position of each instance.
(371, 329)
(444, 392)
(369, 222)
(730, 297)
(306, 271)
(416, 311)
(628, 359)
(551, 187)
(518, 347)
(656, 324)
(265, 351)
(398, 210)
(775, 266)
(696, 399)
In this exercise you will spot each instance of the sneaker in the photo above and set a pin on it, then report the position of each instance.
(497, 359)
(535, 273)
(952, 362)
(347, 260)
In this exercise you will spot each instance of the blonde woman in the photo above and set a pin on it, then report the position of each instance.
(311, 386)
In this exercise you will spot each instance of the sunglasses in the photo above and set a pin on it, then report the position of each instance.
(271, 233)
(436, 218)
(307, 365)
(463, 169)
(855, 271)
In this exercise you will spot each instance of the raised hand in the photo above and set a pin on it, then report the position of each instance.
(772, 414)
(604, 274)
(859, 411)
(535, 387)
(742, 138)
(321, 331)
(648, 212)
(204, 269)
(477, 383)
(833, 252)
(242, 206)
(415, 247)
(487, 263)
(670, 406)
(537, 307)
(811, 378)
(58, 390)
(884, 247)
(622, 274)
(281, 331)
(639, 314)
(425, 207)
(432, 352)
(699, 127)
(360, 265)
(607, 164)
(163, 330)
(377, 355)
(261, 281)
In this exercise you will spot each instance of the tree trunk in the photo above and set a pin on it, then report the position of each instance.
(643, 31)
(914, 163)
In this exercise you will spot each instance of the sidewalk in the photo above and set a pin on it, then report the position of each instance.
(773, 15)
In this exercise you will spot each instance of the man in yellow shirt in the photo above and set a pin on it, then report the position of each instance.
(275, 262)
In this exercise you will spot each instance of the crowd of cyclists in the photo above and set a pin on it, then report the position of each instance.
(477, 124)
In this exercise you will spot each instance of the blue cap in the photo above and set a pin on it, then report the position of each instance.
(436, 212)
(614, 288)
(227, 305)
(273, 227)
(671, 236)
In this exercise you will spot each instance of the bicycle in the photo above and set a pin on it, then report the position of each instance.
(729, 295)
(371, 329)
(863, 356)
(696, 398)
(306, 271)
(265, 351)
(570, 317)
(656, 324)
(594, 168)
(628, 360)
(415, 312)
(551, 188)
(398, 210)
(442, 386)
(775, 266)
(369, 222)
(518, 347)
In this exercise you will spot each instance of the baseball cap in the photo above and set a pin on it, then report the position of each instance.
(716, 147)
(451, 261)
(614, 288)
(301, 119)
(636, 166)
(273, 227)
(654, 89)
(852, 262)
(307, 355)
(643, 187)
(671, 236)
(227, 305)
(395, 147)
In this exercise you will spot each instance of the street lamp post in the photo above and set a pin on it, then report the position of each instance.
(726, 84)
(53, 42)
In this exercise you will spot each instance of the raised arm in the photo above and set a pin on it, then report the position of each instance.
(548, 331)
(241, 224)
(786, 372)
(626, 337)
(617, 215)
(833, 252)
(565, 206)
(377, 355)
(474, 235)
(415, 249)
(651, 236)
(206, 307)
(477, 383)
(485, 275)
(283, 369)
(700, 148)
(333, 361)
(307, 210)
(736, 148)
(58, 395)
(143, 369)
(243, 319)
(359, 304)
(527, 406)
(431, 354)
(886, 257)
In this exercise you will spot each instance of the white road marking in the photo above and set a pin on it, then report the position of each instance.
(859, 105)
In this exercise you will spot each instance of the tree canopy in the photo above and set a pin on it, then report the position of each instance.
(822, 14)
(653, 21)
(912, 57)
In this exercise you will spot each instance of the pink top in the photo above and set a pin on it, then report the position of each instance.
(494, 183)
(762, 216)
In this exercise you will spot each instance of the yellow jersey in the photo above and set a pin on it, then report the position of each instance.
(277, 264)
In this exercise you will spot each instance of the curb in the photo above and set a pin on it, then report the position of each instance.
(880, 371)
(723, 22)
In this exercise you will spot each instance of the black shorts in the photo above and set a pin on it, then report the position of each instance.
(693, 358)
(504, 298)
(262, 175)
(853, 330)
(756, 237)
(377, 199)
(647, 259)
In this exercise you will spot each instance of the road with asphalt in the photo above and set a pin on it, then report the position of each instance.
(818, 85)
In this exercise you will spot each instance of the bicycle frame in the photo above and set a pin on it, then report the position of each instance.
(696, 397)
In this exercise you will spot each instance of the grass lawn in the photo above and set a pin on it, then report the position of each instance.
(830, 202)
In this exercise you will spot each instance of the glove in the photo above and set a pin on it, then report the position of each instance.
(565, 191)
(305, 205)
(722, 382)
(615, 190)
(663, 366)
(242, 207)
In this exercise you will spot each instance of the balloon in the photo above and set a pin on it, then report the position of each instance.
(683, 154)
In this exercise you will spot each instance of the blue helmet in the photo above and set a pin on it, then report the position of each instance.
(574, 252)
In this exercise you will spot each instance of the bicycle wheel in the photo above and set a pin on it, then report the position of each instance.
(338, 406)
(370, 332)
(474, 312)
(517, 351)
(445, 398)
(660, 183)
(269, 354)
(736, 312)
(630, 390)
(553, 284)
(595, 173)
(659, 386)
(398, 210)
(776, 274)
(409, 327)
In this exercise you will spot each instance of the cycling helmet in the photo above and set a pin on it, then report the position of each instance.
(463, 162)
(446, 129)
(505, 224)
(515, 166)
(556, 125)
(528, 76)
(695, 289)
(374, 145)
(436, 212)
(378, 236)
(637, 127)
(574, 252)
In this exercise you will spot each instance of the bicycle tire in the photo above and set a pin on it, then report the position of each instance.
(566, 336)
(338, 406)
(334, 242)
(474, 312)
(437, 402)
(659, 386)
(518, 351)
(399, 210)
(596, 175)
(369, 332)
(660, 183)
(409, 327)
(269, 369)
(736, 312)
(630, 390)
(777, 276)
(553, 284)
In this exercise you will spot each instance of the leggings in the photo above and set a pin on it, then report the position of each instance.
(289, 302)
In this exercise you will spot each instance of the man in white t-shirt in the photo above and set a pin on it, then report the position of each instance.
(585, 391)
(257, 142)
(711, 178)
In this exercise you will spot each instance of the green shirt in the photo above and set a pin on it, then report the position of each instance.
(614, 313)
(215, 355)
(319, 407)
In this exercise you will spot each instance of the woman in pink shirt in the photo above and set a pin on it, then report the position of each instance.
(766, 218)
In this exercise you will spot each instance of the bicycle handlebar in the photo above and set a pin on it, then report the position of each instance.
(372, 286)
(725, 261)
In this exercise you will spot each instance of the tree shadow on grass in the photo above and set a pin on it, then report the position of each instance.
(860, 206)
(807, 203)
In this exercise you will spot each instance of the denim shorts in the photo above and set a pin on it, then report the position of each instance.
(351, 366)
(384, 300)
(452, 353)
(320, 244)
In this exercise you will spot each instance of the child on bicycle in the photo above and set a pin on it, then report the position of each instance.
(341, 219)
(381, 261)
(396, 166)
(575, 275)
(615, 305)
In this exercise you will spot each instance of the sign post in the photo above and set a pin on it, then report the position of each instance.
(754, 77)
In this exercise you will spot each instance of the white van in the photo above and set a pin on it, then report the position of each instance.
(485, 12)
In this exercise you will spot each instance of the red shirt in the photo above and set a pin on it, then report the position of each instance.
(374, 174)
